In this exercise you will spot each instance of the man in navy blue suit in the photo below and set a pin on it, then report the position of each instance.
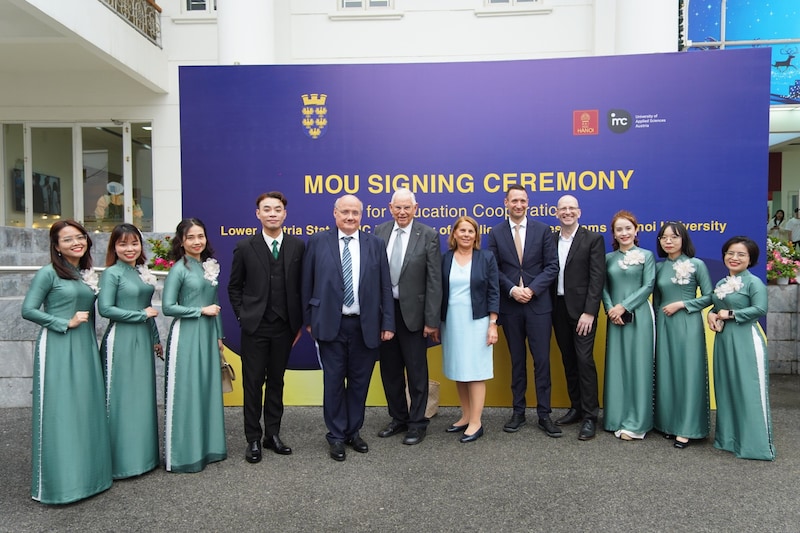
(348, 309)
(527, 262)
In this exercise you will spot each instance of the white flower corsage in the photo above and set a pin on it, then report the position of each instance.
(211, 270)
(729, 286)
(683, 272)
(632, 257)
(89, 277)
(146, 275)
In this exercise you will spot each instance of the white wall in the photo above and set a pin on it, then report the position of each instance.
(307, 31)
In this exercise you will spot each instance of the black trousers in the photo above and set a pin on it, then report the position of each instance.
(405, 355)
(577, 354)
(265, 355)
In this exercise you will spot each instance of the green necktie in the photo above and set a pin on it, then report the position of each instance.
(275, 249)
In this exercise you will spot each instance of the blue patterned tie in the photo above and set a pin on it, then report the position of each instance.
(347, 273)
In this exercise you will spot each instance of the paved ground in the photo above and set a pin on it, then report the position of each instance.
(503, 482)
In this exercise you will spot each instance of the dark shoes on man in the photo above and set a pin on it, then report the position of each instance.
(516, 421)
(414, 436)
(573, 416)
(358, 444)
(253, 453)
(587, 430)
(337, 451)
(552, 430)
(392, 429)
(275, 444)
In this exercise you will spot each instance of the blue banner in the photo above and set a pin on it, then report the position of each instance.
(668, 136)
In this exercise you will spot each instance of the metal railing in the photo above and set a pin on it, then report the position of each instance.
(143, 15)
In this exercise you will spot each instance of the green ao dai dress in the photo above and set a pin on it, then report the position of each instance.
(628, 390)
(129, 368)
(194, 424)
(741, 370)
(682, 404)
(71, 450)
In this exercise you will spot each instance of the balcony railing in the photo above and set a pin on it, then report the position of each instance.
(144, 15)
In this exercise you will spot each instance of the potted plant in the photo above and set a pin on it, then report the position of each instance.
(782, 261)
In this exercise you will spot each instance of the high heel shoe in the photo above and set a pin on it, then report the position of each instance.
(681, 445)
(456, 429)
(470, 438)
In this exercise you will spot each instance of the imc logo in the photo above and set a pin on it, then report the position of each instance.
(586, 122)
(619, 120)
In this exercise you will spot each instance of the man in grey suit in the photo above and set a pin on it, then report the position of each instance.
(415, 266)
(264, 291)
(578, 291)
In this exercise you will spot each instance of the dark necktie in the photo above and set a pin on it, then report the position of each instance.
(347, 273)
(275, 249)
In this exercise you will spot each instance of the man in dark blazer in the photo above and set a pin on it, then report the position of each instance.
(528, 265)
(264, 290)
(349, 310)
(578, 292)
(415, 266)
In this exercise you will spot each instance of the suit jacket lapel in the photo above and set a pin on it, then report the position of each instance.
(262, 250)
(414, 239)
(576, 242)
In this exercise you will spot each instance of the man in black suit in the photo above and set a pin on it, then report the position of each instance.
(578, 292)
(415, 266)
(264, 290)
(349, 310)
(528, 265)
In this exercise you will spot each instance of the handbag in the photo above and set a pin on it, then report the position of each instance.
(228, 375)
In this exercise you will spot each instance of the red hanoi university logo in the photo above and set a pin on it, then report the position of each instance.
(586, 122)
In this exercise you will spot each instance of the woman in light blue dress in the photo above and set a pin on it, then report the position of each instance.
(470, 303)
(194, 426)
(127, 352)
(71, 451)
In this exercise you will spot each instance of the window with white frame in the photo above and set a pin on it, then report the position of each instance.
(510, 2)
(365, 4)
(207, 6)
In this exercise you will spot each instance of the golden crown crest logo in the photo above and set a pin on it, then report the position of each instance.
(315, 114)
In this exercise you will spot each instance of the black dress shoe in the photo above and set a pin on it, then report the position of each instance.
(392, 429)
(587, 430)
(681, 445)
(552, 430)
(414, 436)
(337, 451)
(456, 429)
(275, 444)
(573, 416)
(253, 453)
(668, 436)
(472, 438)
(516, 421)
(358, 444)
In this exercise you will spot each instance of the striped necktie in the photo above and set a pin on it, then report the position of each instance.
(347, 273)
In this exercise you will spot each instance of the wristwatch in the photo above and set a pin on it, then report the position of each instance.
(730, 314)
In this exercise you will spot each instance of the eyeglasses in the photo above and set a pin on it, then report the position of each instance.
(738, 255)
(671, 238)
(75, 238)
